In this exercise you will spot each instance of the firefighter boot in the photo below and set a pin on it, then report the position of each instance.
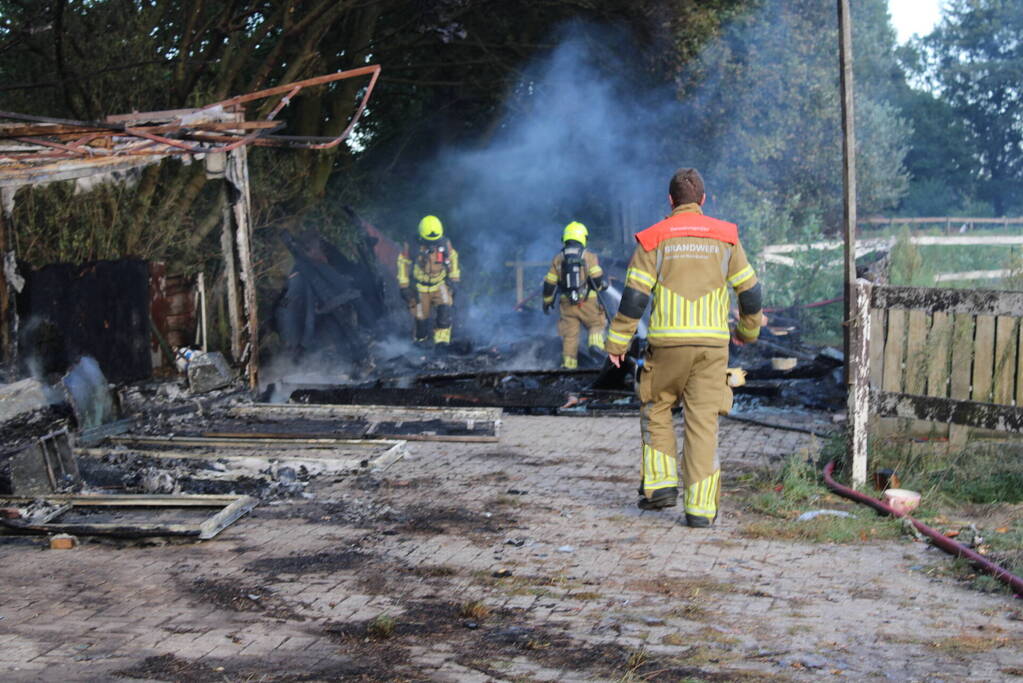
(699, 522)
(661, 498)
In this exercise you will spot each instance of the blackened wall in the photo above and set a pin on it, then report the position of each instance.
(98, 309)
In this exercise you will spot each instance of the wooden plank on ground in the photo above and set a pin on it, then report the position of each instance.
(409, 413)
(131, 499)
(226, 517)
(983, 359)
(245, 441)
(894, 346)
(877, 320)
(1005, 360)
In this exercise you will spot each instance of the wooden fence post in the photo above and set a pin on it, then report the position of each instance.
(234, 309)
(6, 338)
(238, 176)
(859, 381)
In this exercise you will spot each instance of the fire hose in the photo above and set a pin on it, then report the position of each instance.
(947, 544)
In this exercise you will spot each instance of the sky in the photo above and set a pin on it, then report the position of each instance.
(914, 16)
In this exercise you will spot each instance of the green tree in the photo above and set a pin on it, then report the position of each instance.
(976, 65)
(447, 65)
(770, 101)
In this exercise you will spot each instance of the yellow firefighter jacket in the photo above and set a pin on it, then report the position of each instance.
(686, 264)
(594, 274)
(431, 264)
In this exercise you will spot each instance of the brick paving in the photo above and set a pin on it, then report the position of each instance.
(541, 531)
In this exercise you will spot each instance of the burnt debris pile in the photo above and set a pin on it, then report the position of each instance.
(522, 378)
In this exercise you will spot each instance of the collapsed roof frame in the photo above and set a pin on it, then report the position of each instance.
(41, 150)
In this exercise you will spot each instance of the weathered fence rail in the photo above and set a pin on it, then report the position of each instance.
(942, 355)
(950, 223)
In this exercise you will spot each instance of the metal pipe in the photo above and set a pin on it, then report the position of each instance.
(947, 544)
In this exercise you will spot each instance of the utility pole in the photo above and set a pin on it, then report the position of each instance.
(845, 61)
(857, 358)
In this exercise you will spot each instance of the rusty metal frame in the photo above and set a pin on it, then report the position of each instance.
(187, 138)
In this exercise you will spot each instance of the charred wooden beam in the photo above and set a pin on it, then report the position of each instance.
(366, 411)
(289, 441)
(501, 374)
(521, 402)
(948, 410)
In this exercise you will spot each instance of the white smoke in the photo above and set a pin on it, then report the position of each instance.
(579, 141)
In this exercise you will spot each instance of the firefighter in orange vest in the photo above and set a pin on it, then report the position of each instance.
(427, 276)
(576, 273)
(685, 265)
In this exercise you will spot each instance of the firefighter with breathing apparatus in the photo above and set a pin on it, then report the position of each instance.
(427, 275)
(576, 275)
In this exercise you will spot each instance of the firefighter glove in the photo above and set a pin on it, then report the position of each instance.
(408, 295)
(547, 306)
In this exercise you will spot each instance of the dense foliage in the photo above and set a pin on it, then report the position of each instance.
(744, 89)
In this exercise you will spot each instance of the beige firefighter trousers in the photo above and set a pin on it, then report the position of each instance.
(589, 314)
(441, 301)
(696, 375)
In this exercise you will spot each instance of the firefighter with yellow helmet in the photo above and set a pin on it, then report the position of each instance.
(576, 276)
(427, 275)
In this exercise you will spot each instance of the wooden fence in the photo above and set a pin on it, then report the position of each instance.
(949, 223)
(941, 355)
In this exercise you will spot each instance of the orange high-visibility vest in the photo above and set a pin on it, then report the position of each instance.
(688, 225)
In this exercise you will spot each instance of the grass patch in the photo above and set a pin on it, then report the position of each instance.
(583, 596)
(842, 530)
(433, 570)
(676, 639)
(976, 492)
(381, 627)
(680, 588)
(967, 644)
(691, 612)
(475, 610)
(796, 488)
(527, 584)
(799, 487)
(982, 473)
(505, 501)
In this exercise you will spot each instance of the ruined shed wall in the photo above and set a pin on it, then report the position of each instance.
(98, 309)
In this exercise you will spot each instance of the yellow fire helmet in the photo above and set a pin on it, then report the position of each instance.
(575, 231)
(431, 229)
